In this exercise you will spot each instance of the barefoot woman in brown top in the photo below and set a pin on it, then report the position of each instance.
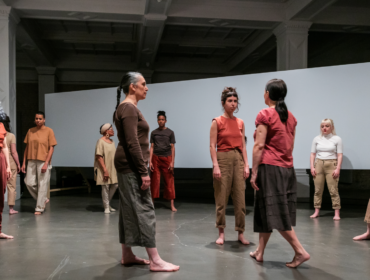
(137, 217)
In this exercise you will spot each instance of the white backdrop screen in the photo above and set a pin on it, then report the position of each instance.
(338, 92)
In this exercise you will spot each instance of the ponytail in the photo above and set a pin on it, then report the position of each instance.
(282, 110)
(119, 89)
(277, 90)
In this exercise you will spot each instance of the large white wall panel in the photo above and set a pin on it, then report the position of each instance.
(338, 92)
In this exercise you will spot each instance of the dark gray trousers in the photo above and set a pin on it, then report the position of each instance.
(136, 212)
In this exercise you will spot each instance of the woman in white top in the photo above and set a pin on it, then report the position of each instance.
(326, 160)
(104, 170)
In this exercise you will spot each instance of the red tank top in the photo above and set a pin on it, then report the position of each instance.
(229, 134)
(2, 135)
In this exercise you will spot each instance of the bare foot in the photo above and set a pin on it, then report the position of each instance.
(336, 218)
(242, 239)
(133, 260)
(12, 212)
(316, 214)
(5, 236)
(364, 236)
(38, 213)
(173, 209)
(298, 260)
(163, 266)
(220, 240)
(257, 256)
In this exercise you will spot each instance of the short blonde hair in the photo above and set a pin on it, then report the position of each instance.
(331, 122)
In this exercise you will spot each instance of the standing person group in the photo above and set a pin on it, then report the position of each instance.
(162, 160)
(104, 171)
(40, 142)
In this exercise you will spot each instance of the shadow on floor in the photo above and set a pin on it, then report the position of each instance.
(231, 246)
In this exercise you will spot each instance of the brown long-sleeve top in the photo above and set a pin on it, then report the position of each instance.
(132, 153)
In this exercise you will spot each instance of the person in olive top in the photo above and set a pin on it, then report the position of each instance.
(105, 173)
(14, 165)
(137, 217)
(162, 159)
(40, 141)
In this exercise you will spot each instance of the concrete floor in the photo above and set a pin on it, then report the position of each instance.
(73, 239)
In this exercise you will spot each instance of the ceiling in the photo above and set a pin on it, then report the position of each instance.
(178, 37)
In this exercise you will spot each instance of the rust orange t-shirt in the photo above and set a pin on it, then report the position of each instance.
(2, 135)
(278, 150)
(229, 134)
(38, 142)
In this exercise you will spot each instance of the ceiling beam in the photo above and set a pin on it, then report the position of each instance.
(151, 32)
(254, 42)
(31, 44)
(80, 37)
(306, 9)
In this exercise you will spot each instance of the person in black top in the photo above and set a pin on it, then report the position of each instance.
(162, 159)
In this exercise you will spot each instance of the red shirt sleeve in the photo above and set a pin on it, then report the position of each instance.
(263, 118)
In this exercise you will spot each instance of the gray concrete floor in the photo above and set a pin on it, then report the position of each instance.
(73, 239)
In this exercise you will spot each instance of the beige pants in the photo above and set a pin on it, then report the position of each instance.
(232, 182)
(367, 215)
(12, 186)
(324, 171)
(107, 192)
(38, 183)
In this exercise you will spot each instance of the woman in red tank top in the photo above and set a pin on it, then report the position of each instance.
(5, 173)
(230, 164)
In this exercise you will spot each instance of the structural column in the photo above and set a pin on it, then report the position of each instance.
(47, 84)
(8, 25)
(292, 39)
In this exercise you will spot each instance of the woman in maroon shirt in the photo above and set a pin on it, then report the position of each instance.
(273, 175)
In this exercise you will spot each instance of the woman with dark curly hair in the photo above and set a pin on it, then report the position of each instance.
(230, 164)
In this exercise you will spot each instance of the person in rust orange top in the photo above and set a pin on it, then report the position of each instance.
(40, 142)
(5, 173)
(230, 164)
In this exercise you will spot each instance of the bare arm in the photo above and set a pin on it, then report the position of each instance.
(6, 153)
(24, 159)
(172, 164)
(258, 148)
(14, 153)
(336, 172)
(48, 158)
(101, 163)
(245, 158)
(213, 143)
(151, 157)
(312, 164)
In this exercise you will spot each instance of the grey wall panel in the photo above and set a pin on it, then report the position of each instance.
(338, 92)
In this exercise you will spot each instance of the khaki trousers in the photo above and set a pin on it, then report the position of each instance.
(232, 182)
(107, 192)
(11, 186)
(367, 215)
(38, 183)
(324, 171)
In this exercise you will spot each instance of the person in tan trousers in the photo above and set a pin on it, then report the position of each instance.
(326, 161)
(366, 235)
(14, 165)
(230, 164)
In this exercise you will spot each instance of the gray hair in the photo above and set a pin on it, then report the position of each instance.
(127, 79)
